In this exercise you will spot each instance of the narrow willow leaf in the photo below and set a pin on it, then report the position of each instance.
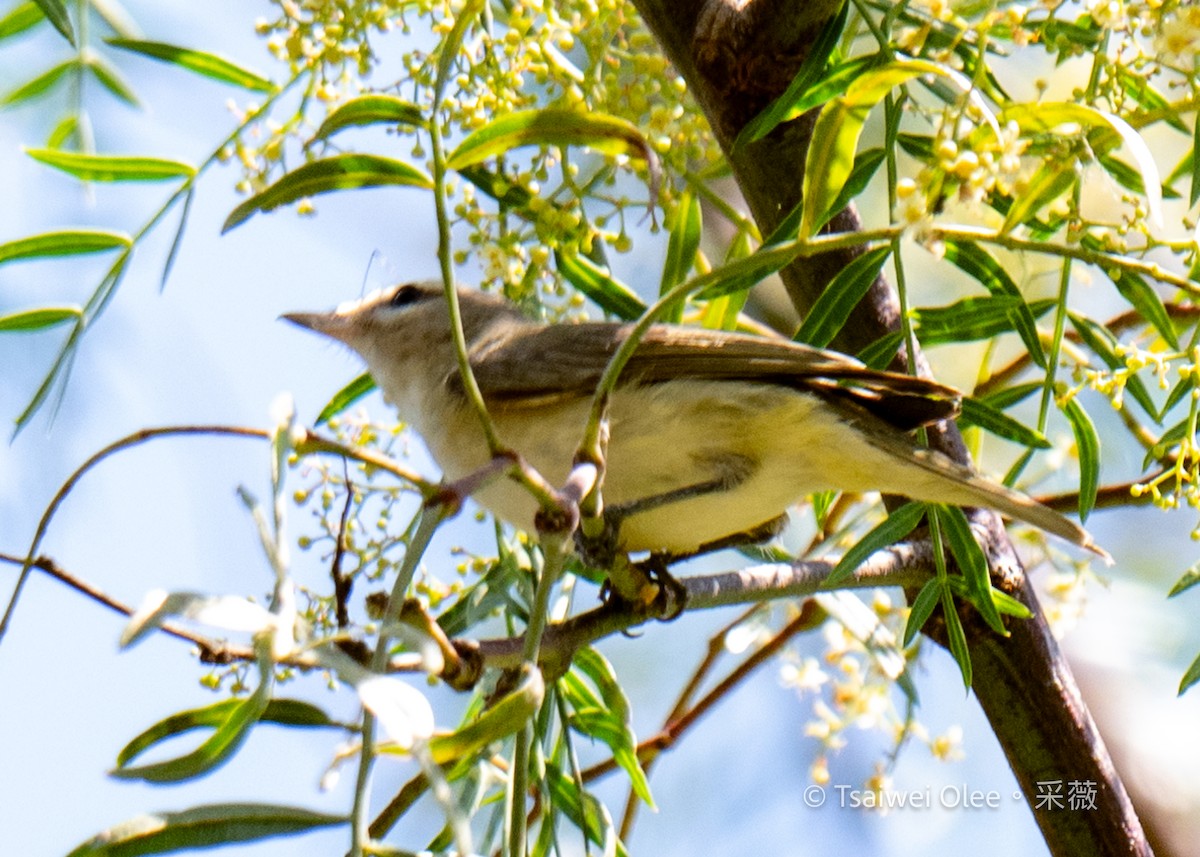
(112, 168)
(40, 84)
(972, 563)
(583, 810)
(227, 736)
(22, 17)
(1190, 677)
(56, 14)
(76, 242)
(922, 608)
(200, 62)
(608, 293)
(971, 319)
(1088, 444)
(177, 241)
(1050, 181)
(1129, 178)
(683, 244)
(1146, 301)
(505, 191)
(201, 827)
(41, 318)
(866, 164)
(1194, 192)
(920, 146)
(347, 396)
(369, 110)
(841, 296)
(880, 353)
(553, 127)
(617, 711)
(898, 524)
(838, 127)
(986, 268)
(283, 712)
(342, 172)
(1009, 396)
(1045, 117)
(783, 108)
(957, 638)
(978, 412)
(111, 79)
(1189, 579)
(66, 130)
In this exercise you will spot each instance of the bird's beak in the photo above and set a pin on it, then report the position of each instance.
(328, 323)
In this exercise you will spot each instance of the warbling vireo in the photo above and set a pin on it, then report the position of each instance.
(752, 424)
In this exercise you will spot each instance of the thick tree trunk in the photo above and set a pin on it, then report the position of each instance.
(737, 57)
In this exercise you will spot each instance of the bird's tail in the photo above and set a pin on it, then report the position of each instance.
(942, 480)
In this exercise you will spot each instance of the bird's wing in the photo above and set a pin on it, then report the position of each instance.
(567, 361)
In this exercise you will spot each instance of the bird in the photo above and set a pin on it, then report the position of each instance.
(712, 434)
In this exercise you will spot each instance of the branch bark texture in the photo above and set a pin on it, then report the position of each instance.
(737, 56)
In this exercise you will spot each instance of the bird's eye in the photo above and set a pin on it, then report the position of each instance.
(404, 296)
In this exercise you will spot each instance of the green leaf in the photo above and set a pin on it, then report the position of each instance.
(552, 127)
(1138, 86)
(75, 242)
(1194, 193)
(22, 17)
(612, 723)
(880, 353)
(973, 564)
(40, 318)
(1006, 397)
(112, 168)
(1146, 301)
(974, 260)
(285, 712)
(978, 412)
(956, 637)
(838, 127)
(922, 608)
(1051, 180)
(228, 734)
(347, 396)
(177, 241)
(200, 62)
(866, 164)
(40, 84)
(583, 810)
(65, 130)
(607, 292)
(56, 14)
(342, 172)
(972, 319)
(683, 244)
(898, 524)
(369, 110)
(783, 108)
(111, 79)
(1189, 579)
(201, 827)
(1088, 444)
(500, 188)
(829, 314)
(1191, 676)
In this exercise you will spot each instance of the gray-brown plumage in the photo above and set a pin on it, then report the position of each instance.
(769, 421)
